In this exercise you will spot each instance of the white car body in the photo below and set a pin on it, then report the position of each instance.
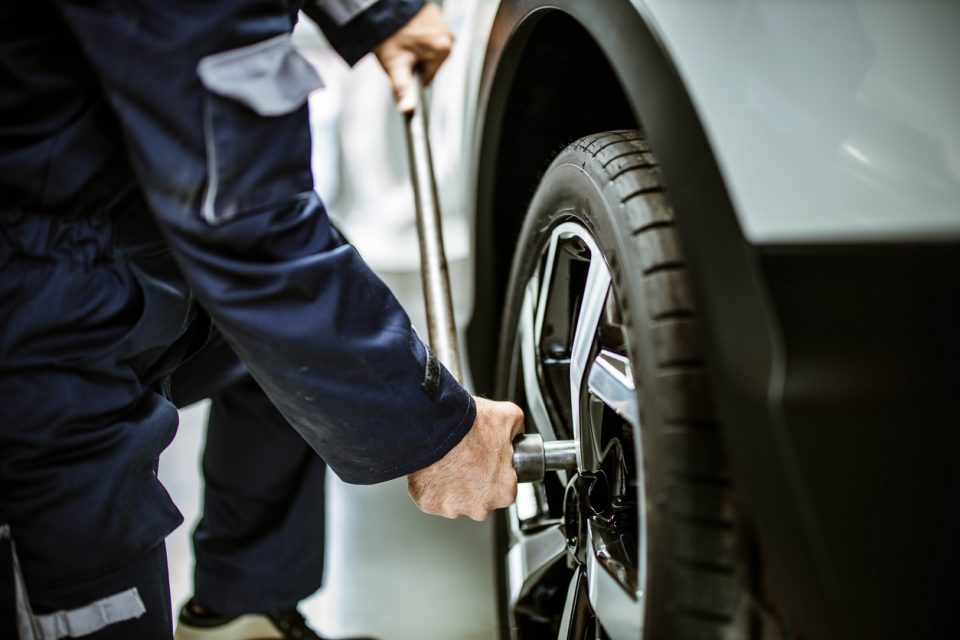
(830, 121)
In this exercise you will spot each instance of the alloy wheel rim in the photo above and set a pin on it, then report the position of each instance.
(571, 372)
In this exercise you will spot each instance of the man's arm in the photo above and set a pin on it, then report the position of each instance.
(211, 103)
(477, 475)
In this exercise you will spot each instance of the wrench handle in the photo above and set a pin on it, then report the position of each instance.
(441, 325)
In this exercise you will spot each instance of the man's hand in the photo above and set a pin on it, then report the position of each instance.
(423, 43)
(477, 475)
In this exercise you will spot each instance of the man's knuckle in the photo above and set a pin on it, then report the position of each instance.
(426, 501)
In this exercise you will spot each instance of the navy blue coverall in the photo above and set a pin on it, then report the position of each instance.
(154, 177)
(259, 543)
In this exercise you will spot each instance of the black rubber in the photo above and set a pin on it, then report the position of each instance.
(698, 577)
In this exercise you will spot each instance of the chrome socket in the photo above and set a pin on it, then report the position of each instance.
(532, 457)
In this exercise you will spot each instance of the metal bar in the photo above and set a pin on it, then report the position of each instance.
(441, 326)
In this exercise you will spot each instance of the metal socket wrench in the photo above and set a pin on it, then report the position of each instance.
(532, 457)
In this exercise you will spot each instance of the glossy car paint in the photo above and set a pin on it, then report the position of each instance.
(831, 120)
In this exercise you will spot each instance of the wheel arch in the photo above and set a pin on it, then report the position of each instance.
(553, 73)
(594, 70)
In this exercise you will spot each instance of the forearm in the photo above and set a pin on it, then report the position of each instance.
(328, 343)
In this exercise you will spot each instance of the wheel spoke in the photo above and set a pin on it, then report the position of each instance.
(533, 554)
(576, 609)
(617, 610)
(525, 507)
(611, 380)
(545, 283)
(594, 298)
(528, 356)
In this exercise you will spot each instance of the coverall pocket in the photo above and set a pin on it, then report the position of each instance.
(256, 127)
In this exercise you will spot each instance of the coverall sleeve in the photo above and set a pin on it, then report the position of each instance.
(211, 100)
(355, 27)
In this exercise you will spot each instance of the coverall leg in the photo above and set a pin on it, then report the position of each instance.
(94, 320)
(259, 543)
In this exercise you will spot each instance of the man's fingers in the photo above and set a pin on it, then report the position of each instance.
(507, 494)
(516, 428)
(477, 516)
(477, 476)
(401, 80)
(432, 58)
(428, 70)
(425, 42)
(435, 509)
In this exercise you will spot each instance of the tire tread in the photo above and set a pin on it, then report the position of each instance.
(698, 499)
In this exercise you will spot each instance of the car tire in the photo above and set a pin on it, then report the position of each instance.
(691, 538)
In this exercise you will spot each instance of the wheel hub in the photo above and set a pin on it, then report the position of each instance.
(604, 501)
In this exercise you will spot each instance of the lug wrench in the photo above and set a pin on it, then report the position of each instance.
(441, 327)
(532, 457)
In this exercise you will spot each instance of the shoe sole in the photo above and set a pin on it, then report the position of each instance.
(246, 627)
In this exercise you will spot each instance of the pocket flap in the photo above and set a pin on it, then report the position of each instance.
(270, 77)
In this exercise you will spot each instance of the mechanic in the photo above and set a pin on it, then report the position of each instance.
(156, 197)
